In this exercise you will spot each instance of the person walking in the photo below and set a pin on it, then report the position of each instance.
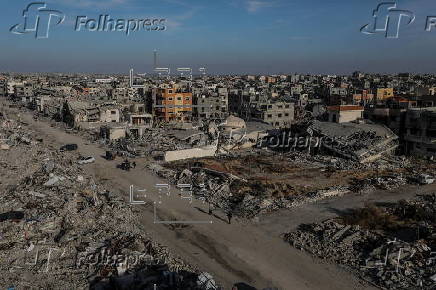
(229, 216)
(210, 208)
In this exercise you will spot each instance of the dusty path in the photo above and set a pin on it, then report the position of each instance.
(240, 252)
(288, 220)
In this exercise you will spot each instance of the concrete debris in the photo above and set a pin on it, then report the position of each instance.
(4, 147)
(359, 142)
(53, 180)
(255, 181)
(154, 142)
(207, 151)
(60, 224)
(11, 215)
(245, 198)
(205, 280)
(393, 248)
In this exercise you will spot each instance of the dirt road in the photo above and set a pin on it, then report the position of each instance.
(240, 252)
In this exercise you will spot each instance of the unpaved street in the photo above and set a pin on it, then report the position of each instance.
(240, 252)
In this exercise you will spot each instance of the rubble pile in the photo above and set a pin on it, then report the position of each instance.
(153, 143)
(243, 197)
(394, 247)
(358, 141)
(383, 182)
(9, 136)
(250, 182)
(58, 224)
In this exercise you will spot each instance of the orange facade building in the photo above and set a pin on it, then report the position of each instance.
(173, 105)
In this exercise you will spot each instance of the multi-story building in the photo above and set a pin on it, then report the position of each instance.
(363, 97)
(344, 114)
(425, 91)
(3, 89)
(19, 91)
(172, 104)
(277, 114)
(384, 93)
(119, 94)
(11, 87)
(338, 91)
(421, 131)
(110, 114)
(391, 114)
(211, 105)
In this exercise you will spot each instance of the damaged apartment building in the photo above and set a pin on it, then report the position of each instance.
(138, 120)
(3, 88)
(364, 143)
(210, 104)
(277, 114)
(114, 121)
(251, 105)
(78, 113)
(420, 137)
(172, 104)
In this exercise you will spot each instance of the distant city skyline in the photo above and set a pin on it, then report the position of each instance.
(227, 37)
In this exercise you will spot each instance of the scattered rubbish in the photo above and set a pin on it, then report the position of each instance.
(86, 160)
(73, 229)
(69, 147)
(54, 180)
(392, 247)
(11, 215)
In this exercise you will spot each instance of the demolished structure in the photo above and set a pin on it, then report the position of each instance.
(359, 142)
(393, 247)
(59, 224)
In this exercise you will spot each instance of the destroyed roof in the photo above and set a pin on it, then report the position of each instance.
(253, 126)
(110, 107)
(184, 134)
(115, 125)
(147, 115)
(234, 122)
(428, 109)
(346, 129)
(345, 108)
(79, 105)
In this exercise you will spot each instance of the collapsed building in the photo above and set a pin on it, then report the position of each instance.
(359, 142)
(420, 134)
(60, 224)
(354, 141)
(391, 246)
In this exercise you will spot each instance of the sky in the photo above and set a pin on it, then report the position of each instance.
(225, 36)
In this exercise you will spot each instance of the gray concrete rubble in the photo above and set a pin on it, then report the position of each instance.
(59, 225)
(361, 142)
(393, 247)
(252, 182)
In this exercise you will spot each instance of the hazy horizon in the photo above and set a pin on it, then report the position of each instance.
(226, 37)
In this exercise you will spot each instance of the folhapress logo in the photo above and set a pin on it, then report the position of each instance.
(387, 19)
(106, 24)
(38, 20)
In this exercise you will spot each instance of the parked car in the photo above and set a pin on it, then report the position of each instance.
(111, 155)
(425, 179)
(86, 160)
(69, 147)
(125, 165)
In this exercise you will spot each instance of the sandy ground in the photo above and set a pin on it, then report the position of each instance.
(288, 220)
(245, 251)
